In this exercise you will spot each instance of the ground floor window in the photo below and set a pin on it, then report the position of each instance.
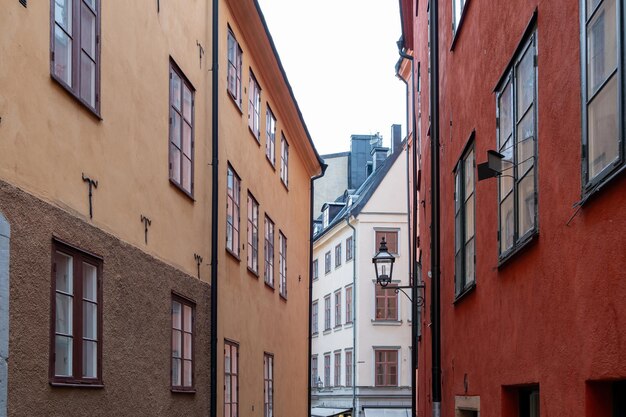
(231, 379)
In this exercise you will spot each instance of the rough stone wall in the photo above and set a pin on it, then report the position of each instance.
(136, 339)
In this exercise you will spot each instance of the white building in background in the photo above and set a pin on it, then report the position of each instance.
(361, 349)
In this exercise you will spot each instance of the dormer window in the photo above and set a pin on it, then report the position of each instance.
(326, 217)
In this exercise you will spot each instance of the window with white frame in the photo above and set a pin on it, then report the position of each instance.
(270, 140)
(254, 107)
(284, 160)
(253, 234)
(268, 384)
(234, 68)
(233, 185)
(269, 252)
(282, 263)
(231, 379)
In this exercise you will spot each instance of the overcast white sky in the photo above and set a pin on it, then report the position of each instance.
(340, 58)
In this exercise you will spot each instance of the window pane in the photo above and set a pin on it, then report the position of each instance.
(187, 380)
(176, 315)
(177, 339)
(527, 203)
(601, 46)
(175, 163)
(187, 139)
(63, 14)
(525, 143)
(63, 356)
(62, 56)
(469, 262)
(90, 282)
(188, 346)
(187, 174)
(90, 359)
(188, 318)
(469, 218)
(176, 86)
(187, 106)
(63, 310)
(603, 129)
(525, 82)
(64, 279)
(468, 172)
(91, 3)
(88, 31)
(90, 320)
(506, 113)
(176, 372)
(507, 223)
(227, 359)
(458, 263)
(87, 80)
(506, 180)
(175, 128)
(457, 193)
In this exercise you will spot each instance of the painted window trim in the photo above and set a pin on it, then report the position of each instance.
(254, 105)
(270, 139)
(268, 252)
(234, 251)
(236, 95)
(183, 301)
(233, 372)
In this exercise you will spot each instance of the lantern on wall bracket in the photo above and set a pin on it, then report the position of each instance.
(383, 263)
(492, 168)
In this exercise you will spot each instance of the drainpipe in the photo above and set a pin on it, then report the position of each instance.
(354, 297)
(311, 199)
(214, 203)
(435, 220)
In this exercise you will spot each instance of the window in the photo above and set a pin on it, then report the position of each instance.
(254, 107)
(529, 402)
(76, 344)
(314, 371)
(386, 368)
(458, 7)
(253, 234)
(282, 263)
(270, 141)
(327, 370)
(517, 141)
(390, 237)
(349, 304)
(181, 130)
(348, 368)
(465, 220)
(233, 184)
(269, 252)
(231, 379)
(234, 68)
(338, 255)
(75, 49)
(337, 369)
(315, 270)
(338, 308)
(284, 160)
(327, 312)
(268, 384)
(603, 121)
(386, 303)
(182, 343)
(349, 249)
(314, 317)
(327, 262)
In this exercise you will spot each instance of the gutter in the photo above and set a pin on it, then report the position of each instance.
(354, 315)
(311, 198)
(214, 203)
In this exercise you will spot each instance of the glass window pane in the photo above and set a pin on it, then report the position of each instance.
(601, 46)
(187, 174)
(88, 31)
(91, 3)
(176, 315)
(506, 113)
(64, 273)
(526, 203)
(187, 381)
(62, 56)
(507, 223)
(188, 319)
(188, 346)
(187, 139)
(469, 218)
(603, 129)
(525, 143)
(525, 82)
(63, 356)
(63, 312)
(506, 179)
(591, 4)
(176, 87)
(175, 163)
(187, 106)
(63, 14)
(227, 359)
(90, 282)
(87, 80)
(468, 173)
(458, 233)
(175, 128)
(457, 191)
(90, 320)
(176, 372)
(90, 359)
(469, 261)
(177, 340)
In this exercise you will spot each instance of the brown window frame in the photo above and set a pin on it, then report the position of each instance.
(270, 232)
(270, 140)
(78, 258)
(235, 93)
(233, 346)
(282, 263)
(184, 302)
(392, 245)
(254, 106)
(337, 308)
(315, 317)
(233, 199)
(338, 255)
(316, 270)
(386, 294)
(327, 313)
(314, 370)
(268, 385)
(77, 51)
(327, 263)
(253, 244)
(337, 370)
(348, 353)
(185, 84)
(327, 370)
(349, 254)
(349, 290)
(386, 363)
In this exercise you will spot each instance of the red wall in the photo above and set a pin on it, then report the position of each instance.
(554, 314)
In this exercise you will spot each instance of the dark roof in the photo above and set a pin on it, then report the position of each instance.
(363, 194)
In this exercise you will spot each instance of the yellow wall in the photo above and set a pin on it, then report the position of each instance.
(48, 139)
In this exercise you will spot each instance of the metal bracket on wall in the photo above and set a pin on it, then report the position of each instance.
(198, 259)
(146, 222)
(420, 299)
(200, 52)
(92, 184)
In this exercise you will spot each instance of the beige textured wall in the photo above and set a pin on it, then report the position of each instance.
(48, 139)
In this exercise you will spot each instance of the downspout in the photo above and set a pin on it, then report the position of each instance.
(355, 412)
(435, 220)
(311, 199)
(214, 203)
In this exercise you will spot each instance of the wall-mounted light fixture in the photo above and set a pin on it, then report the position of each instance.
(492, 168)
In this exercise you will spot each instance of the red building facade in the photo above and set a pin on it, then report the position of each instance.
(533, 262)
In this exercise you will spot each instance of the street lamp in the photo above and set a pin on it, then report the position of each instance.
(383, 263)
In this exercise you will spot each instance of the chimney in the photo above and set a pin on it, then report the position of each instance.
(379, 154)
(396, 137)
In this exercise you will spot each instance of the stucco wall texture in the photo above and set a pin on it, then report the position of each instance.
(137, 293)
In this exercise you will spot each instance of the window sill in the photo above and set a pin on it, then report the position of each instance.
(257, 139)
(233, 254)
(337, 327)
(183, 391)
(592, 191)
(386, 322)
(283, 297)
(269, 286)
(284, 185)
(254, 273)
(315, 334)
(234, 101)
(348, 325)
(269, 161)
(89, 385)
(182, 190)
(337, 266)
(466, 291)
(94, 112)
(326, 331)
(519, 248)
